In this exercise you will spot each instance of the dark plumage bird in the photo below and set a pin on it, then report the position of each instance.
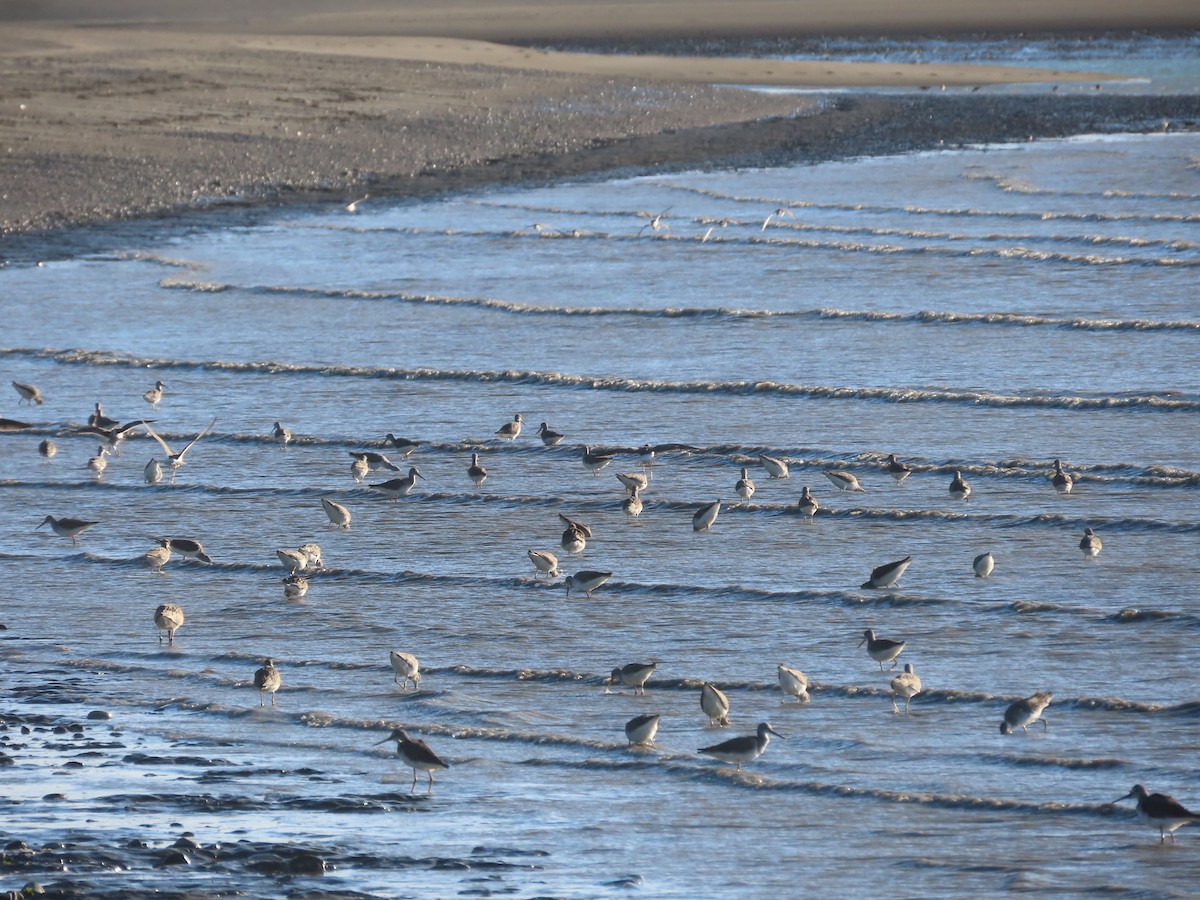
(896, 469)
(881, 649)
(640, 730)
(888, 574)
(1160, 810)
(416, 755)
(1025, 712)
(745, 749)
(634, 675)
(267, 681)
(186, 547)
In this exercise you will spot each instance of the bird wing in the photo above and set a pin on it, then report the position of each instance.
(150, 431)
(197, 437)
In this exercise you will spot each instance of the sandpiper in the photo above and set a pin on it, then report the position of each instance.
(282, 435)
(416, 755)
(544, 562)
(1090, 545)
(295, 586)
(267, 681)
(1061, 480)
(983, 564)
(844, 481)
(808, 505)
(67, 527)
(155, 394)
(188, 547)
(640, 730)
(776, 468)
(959, 489)
(313, 553)
(906, 685)
(586, 581)
(29, 394)
(549, 436)
(293, 560)
(744, 486)
(887, 575)
(1161, 810)
(374, 460)
(339, 515)
(715, 704)
(705, 516)
(745, 749)
(405, 446)
(510, 431)
(793, 682)
(157, 557)
(594, 462)
(634, 675)
(881, 649)
(47, 448)
(169, 618)
(475, 471)
(1025, 712)
(407, 669)
(896, 469)
(399, 487)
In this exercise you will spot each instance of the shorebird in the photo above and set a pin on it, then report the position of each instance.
(67, 527)
(47, 448)
(715, 704)
(475, 471)
(549, 436)
(633, 481)
(9, 425)
(406, 668)
(295, 587)
(115, 435)
(586, 581)
(157, 557)
(282, 435)
(312, 553)
(176, 459)
(808, 505)
(745, 749)
(293, 560)
(404, 445)
(906, 685)
(887, 575)
(656, 223)
(896, 469)
(359, 469)
(983, 565)
(544, 562)
(29, 394)
(338, 514)
(776, 468)
(634, 675)
(1161, 810)
(99, 462)
(352, 206)
(1061, 480)
(99, 420)
(959, 489)
(705, 516)
(585, 530)
(374, 460)
(573, 541)
(510, 431)
(640, 730)
(1090, 545)
(744, 486)
(793, 682)
(153, 472)
(594, 462)
(399, 487)
(416, 755)
(633, 505)
(844, 481)
(155, 393)
(169, 618)
(1025, 712)
(188, 547)
(881, 649)
(267, 681)
(778, 214)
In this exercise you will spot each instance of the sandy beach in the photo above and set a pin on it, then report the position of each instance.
(152, 108)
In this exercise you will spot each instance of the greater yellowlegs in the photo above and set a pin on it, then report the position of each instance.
(776, 468)
(594, 462)
(793, 682)
(1061, 480)
(169, 618)
(29, 393)
(881, 649)
(906, 685)
(282, 435)
(475, 471)
(549, 436)
(188, 547)
(544, 562)
(896, 469)
(844, 481)
(640, 730)
(405, 446)
(959, 489)
(745, 749)
(586, 581)
(888, 574)
(1162, 811)
(267, 681)
(744, 486)
(1025, 712)
(399, 487)
(1090, 545)
(338, 514)
(67, 527)
(715, 704)
(705, 516)
(807, 505)
(634, 675)
(416, 755)
(510, 431)
(155, 394)
(407, 669)
(983, 564)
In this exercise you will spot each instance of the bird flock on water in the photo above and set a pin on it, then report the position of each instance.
(1161, 811)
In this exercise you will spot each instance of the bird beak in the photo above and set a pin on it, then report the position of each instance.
(776, 733)
(864, 640)
(390, 737)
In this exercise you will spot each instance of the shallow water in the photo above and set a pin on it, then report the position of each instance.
(984, 311)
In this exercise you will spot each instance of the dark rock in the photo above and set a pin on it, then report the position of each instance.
(99, 714)
(172, 857)
(306, 864)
